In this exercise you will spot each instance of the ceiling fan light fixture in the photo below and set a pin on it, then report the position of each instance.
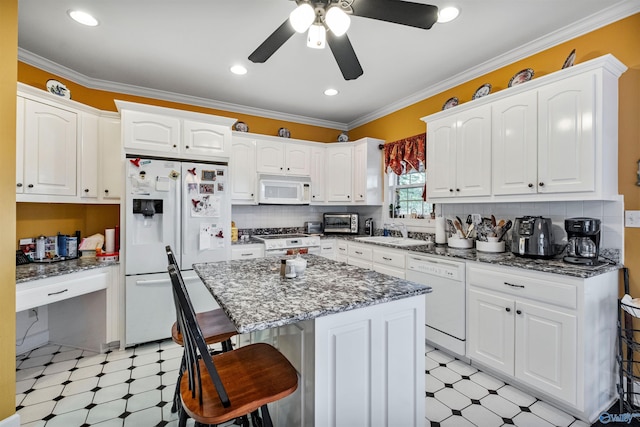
(83, 18)
(331, 92)
(448, 14)
(238, 70)
(317, 36)
(337, 20)
(302, 17)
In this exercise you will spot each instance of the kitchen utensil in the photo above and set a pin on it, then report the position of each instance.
(493, 221)
(505, 228)
(469, 230)
(469, 220)
(458, 226)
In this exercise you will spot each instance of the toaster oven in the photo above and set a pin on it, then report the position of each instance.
(340, 222)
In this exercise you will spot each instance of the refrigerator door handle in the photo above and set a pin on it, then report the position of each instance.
(153, 282)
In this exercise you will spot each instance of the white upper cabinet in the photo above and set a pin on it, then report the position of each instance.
(49, 146)
(367, 171)
(88, 165)
(553, 138)
(459, 155)
(242, 170)
(318, 186)
(338, 173)
(150, 130)
(110, 159)
(283, 158)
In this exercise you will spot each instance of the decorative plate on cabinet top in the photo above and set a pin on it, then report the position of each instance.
(241, 127)
(483, 90)
(570, 59)
(521, 77)
(284, 133)
(343, 137)
(451, 102)
(57, 88)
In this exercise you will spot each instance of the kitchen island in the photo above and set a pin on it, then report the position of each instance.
(356, 337)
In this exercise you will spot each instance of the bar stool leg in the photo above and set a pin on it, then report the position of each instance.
(266, 418)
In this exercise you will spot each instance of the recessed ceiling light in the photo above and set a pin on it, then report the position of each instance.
(448, 14)
(239, 70)
(331, 92)
(83, 18)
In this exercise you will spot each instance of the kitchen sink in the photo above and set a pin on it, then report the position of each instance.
(392, 240)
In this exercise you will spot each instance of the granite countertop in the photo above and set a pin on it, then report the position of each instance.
(36, 271)
(255, 297)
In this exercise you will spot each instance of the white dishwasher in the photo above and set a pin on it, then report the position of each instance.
(445, 314)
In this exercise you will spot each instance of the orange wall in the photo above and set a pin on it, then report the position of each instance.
(104, 101)
(622, 39)
(8, 72)
(35, 219)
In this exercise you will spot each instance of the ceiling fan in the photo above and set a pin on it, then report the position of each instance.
(328, 20)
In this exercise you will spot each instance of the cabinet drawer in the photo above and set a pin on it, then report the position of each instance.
(360, 252)
(553, 289)
(247, 252)
(389, 258)
(342, 248)
(391, 271)
(46, 291)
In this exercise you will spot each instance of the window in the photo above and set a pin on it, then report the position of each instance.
(406, 192)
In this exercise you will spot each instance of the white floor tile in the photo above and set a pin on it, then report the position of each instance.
(144, 400)
(167, 393)
(430, 364)
(95, 359)
(24, 385)
(486, 381)
(445, 375)
(432, 384)
(172, 353)
(75, 418)
(481, 416)
(145, 371)
(144, 384)
(110, 393)
(435, 410)
(579, 423)
(106, 411)
(80, 386)
(38, 423)
(53, 379)
(453, 399)
(42, 395)
(119, 354)
(86, 372)
(67, 355)
(146, 348)
(456, 421)
(146, 359)
(116, 422)
(551, 414)
(169, 378)
(27, 373)
(44, 350)
(462, 368)
(518, 397)
(19, 398)
(35, 412)
(500, 406)
(171, 364)
(440, 356)
(428, 348)
(38, 361)
(146, 417)
(167, 344)
(117, 365)
(60, 367)
(117, 377)
(527, 419)
(470, 389)
(73, 403)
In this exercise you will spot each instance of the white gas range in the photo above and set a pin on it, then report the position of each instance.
(288, 244)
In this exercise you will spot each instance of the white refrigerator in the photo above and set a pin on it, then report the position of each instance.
(182, 204)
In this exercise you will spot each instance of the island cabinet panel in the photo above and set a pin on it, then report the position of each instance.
(369, 355)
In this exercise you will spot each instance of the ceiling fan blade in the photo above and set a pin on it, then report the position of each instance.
(399, 12)
(345, 56)
(273, 42)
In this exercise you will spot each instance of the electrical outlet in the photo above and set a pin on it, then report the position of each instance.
(632, 219)
(33, 312)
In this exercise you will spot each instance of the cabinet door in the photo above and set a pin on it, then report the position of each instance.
(111, 163)
(566, 135)
(338, 173)
(150, 133)
(242, 170)
(50, 150)
(441, 155)
(546, 350)
(297, 159)
(89, 157)
(360, 173)
(490, 329)
(473, 152)
(514, 150)
(270, 157)
(205, 139)
(317, 174)
(20, 145)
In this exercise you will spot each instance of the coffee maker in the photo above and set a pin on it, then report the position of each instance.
(583, 236)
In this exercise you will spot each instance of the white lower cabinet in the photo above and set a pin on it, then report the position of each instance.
(328, 248)
(552, 335)
(389, 261)
(360, 255)
(342, 251)
(249, 251)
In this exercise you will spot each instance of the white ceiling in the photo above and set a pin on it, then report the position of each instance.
(182, 51)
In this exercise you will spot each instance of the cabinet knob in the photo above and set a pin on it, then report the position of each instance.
(348, 197)
(86, 190)
(508, 309)
(106, 191)
(361, 195)
(451, 190)
(457, 189)
(288, 169)
(174, 145)
(186, 147)
(251, 194)
(530, 185)
(541, 184)
(518, 311)
(30, 185)
(19, 184)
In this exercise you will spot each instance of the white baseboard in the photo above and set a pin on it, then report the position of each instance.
(33, 341)
(12, 421)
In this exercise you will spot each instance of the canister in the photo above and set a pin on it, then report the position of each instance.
(40, 241)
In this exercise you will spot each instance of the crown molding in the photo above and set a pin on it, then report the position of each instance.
(69, 74)
(586, 25)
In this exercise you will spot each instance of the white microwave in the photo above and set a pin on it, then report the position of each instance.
(284, 190)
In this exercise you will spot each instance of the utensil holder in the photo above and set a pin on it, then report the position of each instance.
(458, 243)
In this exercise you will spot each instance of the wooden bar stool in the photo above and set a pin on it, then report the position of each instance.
(214, 324)
(220, 388)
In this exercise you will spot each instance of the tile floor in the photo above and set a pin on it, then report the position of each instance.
(67, 387)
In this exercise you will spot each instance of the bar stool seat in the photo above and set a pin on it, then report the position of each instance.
(215, 325)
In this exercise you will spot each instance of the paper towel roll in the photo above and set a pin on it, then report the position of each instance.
(110, 240)
(441, 236)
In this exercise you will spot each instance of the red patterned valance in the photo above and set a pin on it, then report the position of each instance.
(405, 155)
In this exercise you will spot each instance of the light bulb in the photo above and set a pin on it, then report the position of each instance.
(302, 17)
(83, 18)
(337, 20)
(317, 36)
(448, 14)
